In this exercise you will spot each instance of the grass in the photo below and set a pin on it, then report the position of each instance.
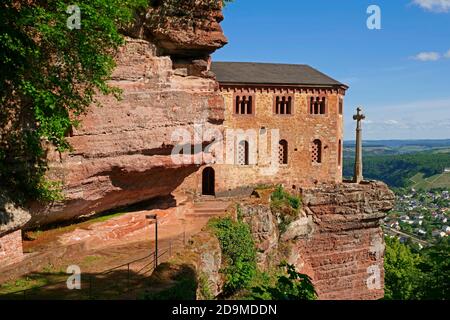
(90, 260)
(36, 234)
(33, 281)
(437, 181)
(285, 206)
(107, 217)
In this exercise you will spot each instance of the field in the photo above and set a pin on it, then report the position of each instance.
(436, 181)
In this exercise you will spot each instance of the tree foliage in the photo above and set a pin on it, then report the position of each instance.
(422, 276)
(435, 268)
(49, 76)
(401, 271)
(239, 253)
(289, 286)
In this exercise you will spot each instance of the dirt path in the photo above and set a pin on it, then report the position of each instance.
(96, 246)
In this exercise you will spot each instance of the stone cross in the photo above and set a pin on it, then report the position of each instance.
(358, 176)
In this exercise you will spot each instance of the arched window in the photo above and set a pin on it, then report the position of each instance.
(277, 105)
(322, 106)
(243, 153)
(283, 104)
(283, 152)
(317, 105)
(243, 104)
(340, 153)
(289, 106)
(316, 151)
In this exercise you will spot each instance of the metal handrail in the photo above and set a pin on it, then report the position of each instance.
(60, 282)
(91, 287)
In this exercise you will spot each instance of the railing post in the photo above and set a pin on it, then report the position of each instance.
(128, 277)
(90, 287)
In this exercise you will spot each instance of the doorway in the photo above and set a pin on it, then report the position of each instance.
(208, 182)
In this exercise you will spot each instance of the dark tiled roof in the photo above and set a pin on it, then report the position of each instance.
(271, 74)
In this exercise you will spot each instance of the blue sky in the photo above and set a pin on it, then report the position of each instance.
(399, 74)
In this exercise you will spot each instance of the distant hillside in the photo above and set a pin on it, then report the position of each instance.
(393, 147)
(423, 169)
(401, 143)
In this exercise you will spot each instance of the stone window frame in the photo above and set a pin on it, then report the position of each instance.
(287, 96)
(320, 96)
(341, 106)
(246, 146)
(320, 152)
(247, 94)
(285, 151)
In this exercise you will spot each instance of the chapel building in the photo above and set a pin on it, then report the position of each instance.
(304, 105)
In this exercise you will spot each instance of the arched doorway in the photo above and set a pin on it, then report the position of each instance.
(208, 182)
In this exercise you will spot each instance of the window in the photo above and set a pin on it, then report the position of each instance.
(317, 105)
(283, 152)
(316, 151)
(243, 153)
(243, 104)
(340, 153)
(283, 105)
(341, 105)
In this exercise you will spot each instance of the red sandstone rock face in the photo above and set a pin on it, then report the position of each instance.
(122, 149)
(348, 245)
(339, 243)
(185, 28)
(11, 248)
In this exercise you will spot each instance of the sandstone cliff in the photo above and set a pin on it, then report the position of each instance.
(337, 239)
(122, 149)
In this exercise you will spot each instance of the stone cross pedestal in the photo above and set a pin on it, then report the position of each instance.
(358, 176)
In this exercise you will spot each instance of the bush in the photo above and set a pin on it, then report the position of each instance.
(238, 250)
(289, 286)
(285, 206)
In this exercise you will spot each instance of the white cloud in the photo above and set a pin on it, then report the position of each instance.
(447, 55)
(419, 119)
(391, 122)
(427, 56)
(434, 5)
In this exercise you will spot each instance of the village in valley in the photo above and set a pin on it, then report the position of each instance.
(420, 214)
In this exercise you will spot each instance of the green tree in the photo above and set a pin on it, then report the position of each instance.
(401, 271)
(239, 253)
(49, 76)
(435, 268)
(289, 286)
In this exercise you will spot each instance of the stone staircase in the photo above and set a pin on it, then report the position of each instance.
(208, 207)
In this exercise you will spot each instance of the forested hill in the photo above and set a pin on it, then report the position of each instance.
(398, 170)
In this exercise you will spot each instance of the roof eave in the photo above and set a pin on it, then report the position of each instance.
(291, 85)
